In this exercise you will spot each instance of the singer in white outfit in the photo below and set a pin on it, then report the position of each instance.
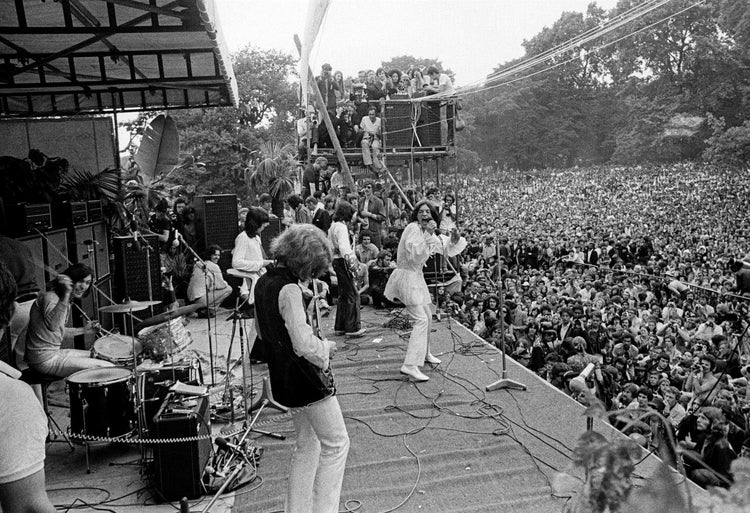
(407, 283)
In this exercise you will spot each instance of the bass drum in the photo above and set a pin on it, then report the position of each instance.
(101, 402)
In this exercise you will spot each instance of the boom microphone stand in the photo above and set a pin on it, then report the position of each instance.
(204, 268)
(504, 381)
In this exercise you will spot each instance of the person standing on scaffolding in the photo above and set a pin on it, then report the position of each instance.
(372, 129)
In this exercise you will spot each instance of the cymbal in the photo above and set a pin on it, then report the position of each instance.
(241, 274)
(129, 306)
(168, 316)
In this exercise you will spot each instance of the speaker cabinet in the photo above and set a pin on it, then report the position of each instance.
(216, 220)
(35, 243)
(398, 129)
(101, 248)
(429, 126)
(56, 252)
(81, 245)
(179, 466)
(270, 232)
(136, 267)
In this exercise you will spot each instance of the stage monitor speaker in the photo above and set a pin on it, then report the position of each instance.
(179, 466)
(398, 129)
(56, 252)
(35, 243)
(269, 233)
(217, 220)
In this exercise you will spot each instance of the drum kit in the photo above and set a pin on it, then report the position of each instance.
(114, 402)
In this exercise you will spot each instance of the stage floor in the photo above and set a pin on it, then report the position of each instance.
(445, 445)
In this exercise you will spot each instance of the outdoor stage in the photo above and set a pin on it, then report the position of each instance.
(445, 445)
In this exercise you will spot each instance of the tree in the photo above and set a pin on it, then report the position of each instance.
(226, 138)
(404, 62)
(273, 171)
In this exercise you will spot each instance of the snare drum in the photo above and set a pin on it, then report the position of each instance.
(158, 342)
(101, 402)
(117, 349)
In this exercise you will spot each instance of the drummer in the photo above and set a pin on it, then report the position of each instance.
(47, 326)
(207, 286)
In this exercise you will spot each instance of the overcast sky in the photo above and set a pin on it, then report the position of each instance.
(470, 37)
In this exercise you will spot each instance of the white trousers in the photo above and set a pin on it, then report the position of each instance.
(419, 341)
(319, 458)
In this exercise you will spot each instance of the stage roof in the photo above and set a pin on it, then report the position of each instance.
(86, 56)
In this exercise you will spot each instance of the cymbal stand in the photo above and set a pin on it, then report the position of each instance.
(204, 267)
(149, 249)
(139, 411)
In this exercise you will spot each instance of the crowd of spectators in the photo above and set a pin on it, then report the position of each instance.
(348, 103)
(639, 270)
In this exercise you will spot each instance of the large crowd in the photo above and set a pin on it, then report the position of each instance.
(643, 272)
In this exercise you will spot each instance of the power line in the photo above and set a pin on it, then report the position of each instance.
(605, 45)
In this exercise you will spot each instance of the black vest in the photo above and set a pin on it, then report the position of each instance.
(295, 381)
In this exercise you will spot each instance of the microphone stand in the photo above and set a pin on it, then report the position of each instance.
(504, 381)
(204, 267)
(149, 249)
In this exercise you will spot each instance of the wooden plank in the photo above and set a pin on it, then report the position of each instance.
(329, 125)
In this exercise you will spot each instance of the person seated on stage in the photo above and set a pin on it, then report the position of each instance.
(207, 286)
(23, 425)
(379, 272)
(366, 251)
(47, 326)
(372, 129)
(362, 283)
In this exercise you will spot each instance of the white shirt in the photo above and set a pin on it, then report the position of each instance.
(304, 342)
(338, 234)
(247, 255)
(23, 425)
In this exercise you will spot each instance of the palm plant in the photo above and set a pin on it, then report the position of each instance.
(273, 170)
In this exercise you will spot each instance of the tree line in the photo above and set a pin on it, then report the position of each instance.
(672, 85)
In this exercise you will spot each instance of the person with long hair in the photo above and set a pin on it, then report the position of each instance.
(207, 286)
(299, 369)
(248, 256)
(407, 283)
(344, 265)
(47, 326)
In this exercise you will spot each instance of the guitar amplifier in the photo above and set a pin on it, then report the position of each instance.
(69, 214)
(178, 467)
(216, 220)
(25, 218)
(95, 211)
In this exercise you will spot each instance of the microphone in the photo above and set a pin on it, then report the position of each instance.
(578, 384)
(221, 443)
